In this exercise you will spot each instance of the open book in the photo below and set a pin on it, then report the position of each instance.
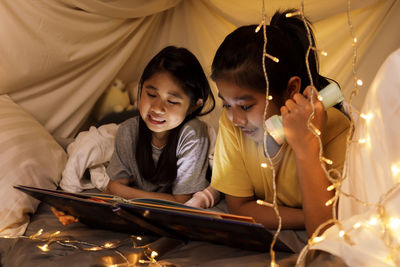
(159, 217)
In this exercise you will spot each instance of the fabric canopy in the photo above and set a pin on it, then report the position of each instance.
(58, 57)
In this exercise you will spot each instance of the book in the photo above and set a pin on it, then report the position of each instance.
(159, 217)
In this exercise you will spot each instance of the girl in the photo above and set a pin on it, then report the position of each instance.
(301, 182)
(163, 152)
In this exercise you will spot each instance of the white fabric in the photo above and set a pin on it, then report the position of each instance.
(373, 168)
(90, 150)
(29, 156)
(58, 57)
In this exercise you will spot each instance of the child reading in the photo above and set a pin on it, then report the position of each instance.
(162, 153)
(301, 183)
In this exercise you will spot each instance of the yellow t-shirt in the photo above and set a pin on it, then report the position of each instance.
(237, 162)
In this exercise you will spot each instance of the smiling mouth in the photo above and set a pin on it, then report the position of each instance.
(156, 121)
(249, 132)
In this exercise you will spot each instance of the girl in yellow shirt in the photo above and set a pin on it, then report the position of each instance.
(301, 181)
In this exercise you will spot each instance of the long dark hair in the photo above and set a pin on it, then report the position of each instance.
(238, 58)
(187, 71)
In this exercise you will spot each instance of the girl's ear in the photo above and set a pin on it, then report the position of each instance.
(294, 86)
(198, 104)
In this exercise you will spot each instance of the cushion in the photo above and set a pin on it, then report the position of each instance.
(29, 156)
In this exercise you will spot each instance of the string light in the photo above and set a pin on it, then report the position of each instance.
(264, 165)
(54, 238)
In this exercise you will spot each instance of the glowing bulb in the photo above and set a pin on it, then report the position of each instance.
(354, 40)
(327, 161)
(359, 82)
(318, 239)
(38, 233)
(270, 97)
(259, 26)
(341, 233)
(94, 248)
(320, 98)
(108, 245)
(357, 225)
(264, 165)
(373, 221)
(366, 117)
(45, 247)
(324, 53)
(362, 141)
(329, 202)
(331, 187)
(288, 15)
(154, 254)
(138, 238)
(394, 223)
(395, 170)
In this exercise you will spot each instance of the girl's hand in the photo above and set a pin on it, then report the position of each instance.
(295, 114)
(62, 217)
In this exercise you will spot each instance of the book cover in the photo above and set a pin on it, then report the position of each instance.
(159, 217)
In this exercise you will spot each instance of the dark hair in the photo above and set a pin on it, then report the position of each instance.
(238, 58)
(188, 73)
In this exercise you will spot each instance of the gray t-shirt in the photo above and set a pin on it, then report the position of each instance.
(191, 153)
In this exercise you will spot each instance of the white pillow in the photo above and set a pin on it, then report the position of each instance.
(29, 156)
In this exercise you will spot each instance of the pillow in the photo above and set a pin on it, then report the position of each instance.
(29, 156)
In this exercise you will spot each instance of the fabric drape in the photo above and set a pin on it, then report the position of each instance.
(58, 57)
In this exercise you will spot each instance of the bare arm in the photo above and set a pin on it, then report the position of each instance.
(312, 179)
(291, 218)
(120, 188)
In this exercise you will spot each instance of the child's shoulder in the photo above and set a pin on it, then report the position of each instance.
(128, 125)
(195, 127)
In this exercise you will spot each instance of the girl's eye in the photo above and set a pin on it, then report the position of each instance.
(172, 102)
(227, 106)
(246, 108)
(151, 95)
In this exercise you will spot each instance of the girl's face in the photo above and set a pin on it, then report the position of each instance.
(245, 108)
(163, 103)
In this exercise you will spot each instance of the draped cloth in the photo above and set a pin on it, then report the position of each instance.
(58, 57)
(373, 176)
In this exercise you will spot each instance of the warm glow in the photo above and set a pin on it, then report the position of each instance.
(324, 53)
(264, 165)
(327, 161)
(45, 247)
(341, 233)
(362, 141)
(359, 82)
(318, 239)
(108, 245)
(154, 254)
(366, 117)
(288, 15)
(394, 223)
(330, 188)
(357, 225)
(373, 221)
(270, 97)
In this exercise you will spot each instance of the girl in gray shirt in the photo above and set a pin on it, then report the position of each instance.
(163, 152)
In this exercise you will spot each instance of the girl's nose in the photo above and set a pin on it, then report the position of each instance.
(239, 118)
(158, 106)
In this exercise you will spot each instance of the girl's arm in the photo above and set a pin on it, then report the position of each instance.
(291, 218)
(312, 179)
(121, 188)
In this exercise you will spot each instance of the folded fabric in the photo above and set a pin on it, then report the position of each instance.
(90, 150)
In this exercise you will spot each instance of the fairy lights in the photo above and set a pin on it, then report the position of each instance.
(55, 238)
